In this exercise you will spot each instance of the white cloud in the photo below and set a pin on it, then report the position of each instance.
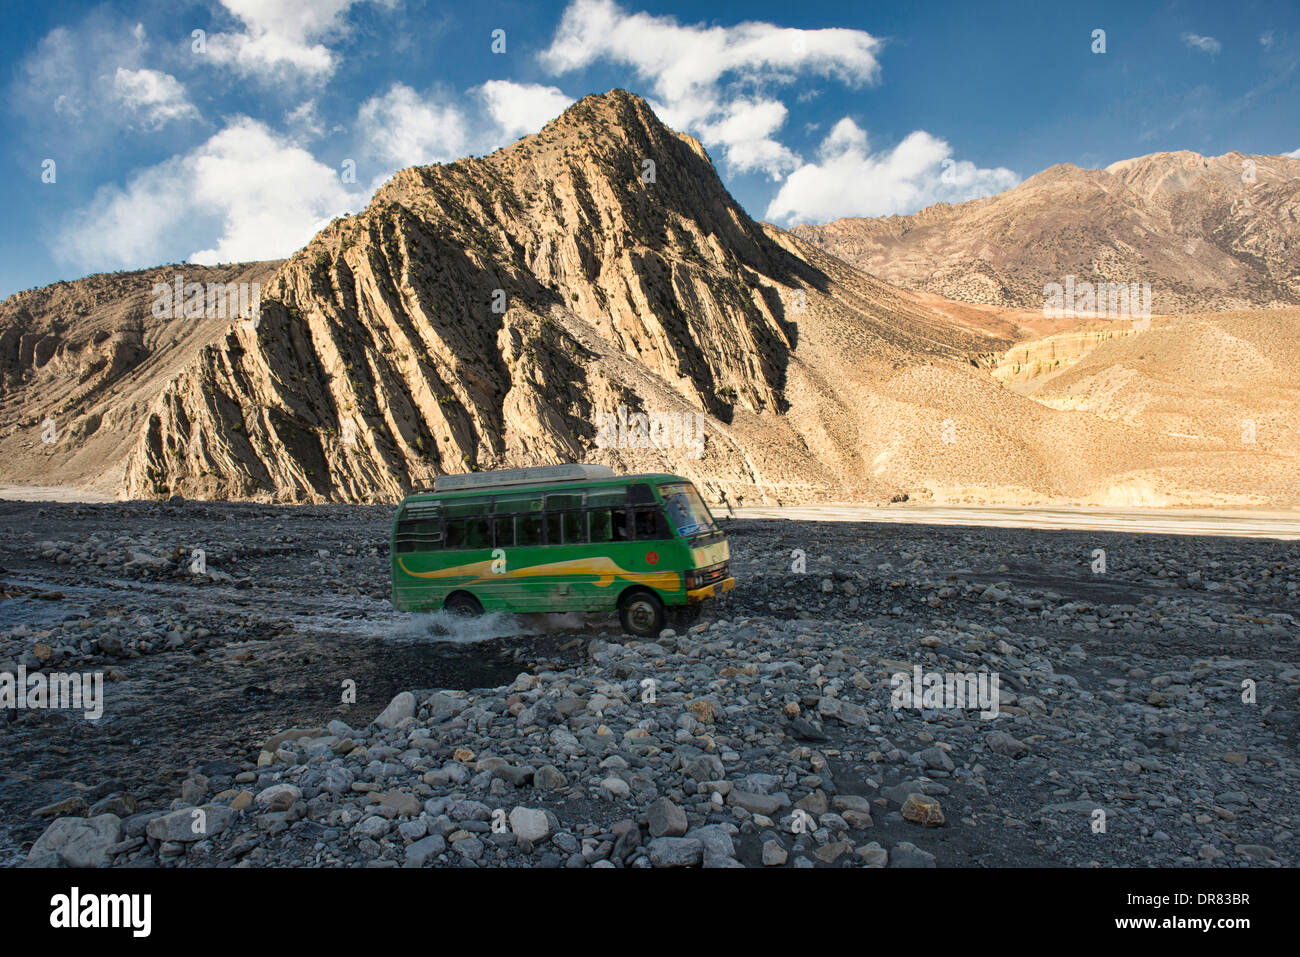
(157, 98)
(84, 83)
(243, 193)
(1266, 39)
(746, 127)
(850, 180)
(1294, 154)
(402, 129)
(303, 122)
(519, 108)
(710, 80)
(1204, 44)
(281, 39)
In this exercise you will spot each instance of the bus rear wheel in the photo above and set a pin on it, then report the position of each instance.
(641, 613)
(462, 605)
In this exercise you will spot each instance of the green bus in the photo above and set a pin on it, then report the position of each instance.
(560, 538)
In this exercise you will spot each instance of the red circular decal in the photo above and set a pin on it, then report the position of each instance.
(652, 558)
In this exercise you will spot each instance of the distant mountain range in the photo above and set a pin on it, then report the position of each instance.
(498, 311)
(1206, 233)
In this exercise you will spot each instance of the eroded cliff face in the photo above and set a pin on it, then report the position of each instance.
(484, 313)
(82, 362)
(1027, 366)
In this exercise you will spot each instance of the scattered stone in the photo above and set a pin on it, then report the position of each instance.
(774, 854)
(906, 854)
(921, 809)
(667, 819)
(675, 852)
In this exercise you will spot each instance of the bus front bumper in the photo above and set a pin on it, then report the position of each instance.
(710, 591)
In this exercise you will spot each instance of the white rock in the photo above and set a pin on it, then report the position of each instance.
(529, 824)
(399, 709)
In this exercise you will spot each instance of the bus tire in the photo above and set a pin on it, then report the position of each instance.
(641, 613)
(463, 605)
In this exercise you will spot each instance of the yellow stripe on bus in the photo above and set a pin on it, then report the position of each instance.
(604, 569)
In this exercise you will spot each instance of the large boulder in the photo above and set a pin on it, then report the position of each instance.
(191, 823)
(79, 841)
(399, 709)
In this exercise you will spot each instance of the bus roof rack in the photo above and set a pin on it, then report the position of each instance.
(526, 476)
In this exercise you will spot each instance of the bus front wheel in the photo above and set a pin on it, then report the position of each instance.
(462, 605)
(641, 613)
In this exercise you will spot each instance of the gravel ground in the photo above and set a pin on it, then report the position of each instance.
(266, 706)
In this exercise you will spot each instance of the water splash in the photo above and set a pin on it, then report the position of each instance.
(444, 626)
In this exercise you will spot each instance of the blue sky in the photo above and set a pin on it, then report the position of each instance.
(237, 143)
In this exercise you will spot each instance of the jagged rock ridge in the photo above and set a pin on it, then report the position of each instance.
(483, 313)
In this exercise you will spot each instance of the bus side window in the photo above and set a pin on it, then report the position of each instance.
(640, 494)
(575, 528)
(553, 529)
(651, 526)
(457, 530)
(480, 533)
(602, 529)
(505, 531)
(607, 497)
(619, 517)
(528, 530)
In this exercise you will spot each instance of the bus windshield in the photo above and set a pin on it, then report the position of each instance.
(686, 509)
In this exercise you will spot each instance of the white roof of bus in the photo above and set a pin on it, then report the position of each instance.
(539, 475)
(526, 476)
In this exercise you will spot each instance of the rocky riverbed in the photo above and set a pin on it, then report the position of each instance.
(265, 705)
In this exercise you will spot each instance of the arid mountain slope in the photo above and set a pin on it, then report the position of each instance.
(493, 311)
(1208, 234)
(1220, 388)
(90, 357)
(485, 313)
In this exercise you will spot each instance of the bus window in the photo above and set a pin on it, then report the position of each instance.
(469, 506)
(553, 529)
(469, 533)
(686, 510)
(602, 529)
(575, 527)
(514, 503)
(606, 497)
(609, 525)
(651, 526)
(640, 495)
(563, 500)
(528, 530)
(505, 531)
(421, 535)
(479, 533)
